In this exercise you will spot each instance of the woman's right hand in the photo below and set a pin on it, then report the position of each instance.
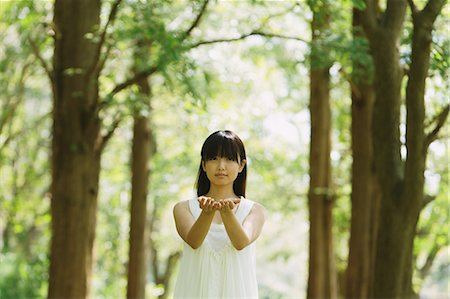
(208, 204)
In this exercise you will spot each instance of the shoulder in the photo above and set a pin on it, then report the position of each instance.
(259, 210)
(255, 220)
(181, 206)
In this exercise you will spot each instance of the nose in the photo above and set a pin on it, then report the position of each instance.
(221, 164)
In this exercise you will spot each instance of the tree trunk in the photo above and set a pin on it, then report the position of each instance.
(364, 196)
(322, 280)
(388, 164)
(162, 271)
(140, 175)
(76, 154)
(142, 151)
(416, 140)
(401, 183)
(319, 196)
(383, 33)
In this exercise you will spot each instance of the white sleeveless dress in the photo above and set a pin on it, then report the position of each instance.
(216, 269)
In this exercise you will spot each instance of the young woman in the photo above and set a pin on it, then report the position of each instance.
(220, 226)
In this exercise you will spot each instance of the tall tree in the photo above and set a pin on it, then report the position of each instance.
(142, 150)
(365, 195)
(77, 143)
(417, 139)
(140, 174)
(322, 280)
(401, 182)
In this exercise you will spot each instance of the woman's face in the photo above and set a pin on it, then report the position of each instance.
(222, 171)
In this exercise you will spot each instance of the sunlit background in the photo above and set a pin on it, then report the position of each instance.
(256, 87)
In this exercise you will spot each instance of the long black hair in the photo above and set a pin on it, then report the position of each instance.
(222, 143)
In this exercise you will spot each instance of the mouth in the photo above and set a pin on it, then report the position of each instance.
(220, 175)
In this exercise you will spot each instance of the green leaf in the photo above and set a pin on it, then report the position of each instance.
(359, 4)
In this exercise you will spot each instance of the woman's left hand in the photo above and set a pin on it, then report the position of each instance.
(228, 204)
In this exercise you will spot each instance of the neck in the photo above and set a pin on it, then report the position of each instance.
(220, 193)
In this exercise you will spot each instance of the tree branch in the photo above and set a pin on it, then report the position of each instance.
(425, 269)
(153, 252)
(170, 266)
(244, 36)
(139, 76)
(368, 16)
(98, 62)
(31, 127)
(12, 102)
(394, 15)
(432, 9)
(144, 74)
(440, 120)
(283, 12)
(8, 113)
(413, 7)
(427, 199)
(44, 64)
(103, 140)
(257, 31)
(148, 72)
(102, 61)
(197, 20)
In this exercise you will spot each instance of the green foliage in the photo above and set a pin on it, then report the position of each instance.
(24, 211)
(440, 59)
(359, 4)
(361, 61)
(432, 230)
(158, 46)
(257, 87)
(23, 278)
(24, 144)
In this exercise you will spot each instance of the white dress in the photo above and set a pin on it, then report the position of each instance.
(216, 269)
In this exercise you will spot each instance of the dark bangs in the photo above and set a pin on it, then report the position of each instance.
(223, 144)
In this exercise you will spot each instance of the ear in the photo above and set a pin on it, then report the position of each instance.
(203, 166)
(241, 167)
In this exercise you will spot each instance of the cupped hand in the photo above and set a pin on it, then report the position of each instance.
(208, 204)
(228, 204)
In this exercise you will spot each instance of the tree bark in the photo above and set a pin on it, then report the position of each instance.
(140, 176)
(401, 183)
(75, 148)
(321, 261)
(143, 149)
(162, 271)
(383, 33)
(390, 237)
(322, 280)
(364, 196)
(413, 199)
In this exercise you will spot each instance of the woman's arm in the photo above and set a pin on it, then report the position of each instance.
(192, 231)
(243, 235)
